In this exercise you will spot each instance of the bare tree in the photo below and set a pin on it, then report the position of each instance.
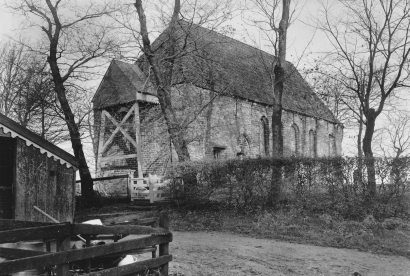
(161, 65)
(26, 92)
(273, 18)
(75, 36)
(12, 76)
(394, 138)
(371, 48)
(164, 89)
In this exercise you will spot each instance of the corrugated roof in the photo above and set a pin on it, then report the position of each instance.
(15, 130)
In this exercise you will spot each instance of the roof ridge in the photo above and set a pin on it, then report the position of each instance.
(233, 39)
(125, 74)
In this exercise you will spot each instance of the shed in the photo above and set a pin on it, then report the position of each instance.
(34, 172)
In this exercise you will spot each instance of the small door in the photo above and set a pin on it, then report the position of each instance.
(7, 157)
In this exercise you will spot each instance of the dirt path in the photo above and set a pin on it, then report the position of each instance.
(215, 253)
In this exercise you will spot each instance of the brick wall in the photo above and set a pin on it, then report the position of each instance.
(227, 125)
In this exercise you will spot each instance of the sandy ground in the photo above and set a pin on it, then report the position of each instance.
(215, 253)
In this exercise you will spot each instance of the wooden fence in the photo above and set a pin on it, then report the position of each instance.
(139, 188)
(146, 188)
(60, 258)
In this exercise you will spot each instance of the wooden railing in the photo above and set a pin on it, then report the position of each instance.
(61, 259)
(139, 188)
(143, 188)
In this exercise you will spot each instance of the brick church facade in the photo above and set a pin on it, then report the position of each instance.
(222, 93)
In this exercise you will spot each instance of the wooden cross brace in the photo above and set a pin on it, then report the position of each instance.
(119, 127)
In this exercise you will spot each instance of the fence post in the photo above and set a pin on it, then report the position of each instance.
(164, 247)
(151, 191)
(129, 186)
(63, 244)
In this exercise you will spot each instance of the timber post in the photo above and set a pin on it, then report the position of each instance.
(63, 244)
(164, 247)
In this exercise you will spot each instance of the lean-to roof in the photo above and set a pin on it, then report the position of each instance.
(16, 130)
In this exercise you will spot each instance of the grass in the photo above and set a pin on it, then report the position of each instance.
(390, 236)
(387, 237)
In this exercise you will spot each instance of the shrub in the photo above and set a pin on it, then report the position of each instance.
(337, 186)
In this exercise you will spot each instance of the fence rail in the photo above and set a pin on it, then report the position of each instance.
(139, 188)
(63, 258)
(107, 178)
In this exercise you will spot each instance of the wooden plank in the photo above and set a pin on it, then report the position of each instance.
(16, 253)
(147, 221)
(137, 124)
(35, 187)
(129, 194)
(134, 252)
(118, 157)
(108, 178)
(11, 224)
(38, 233)
(126, 135)
(80, 229)
(118, 126)
(63, 269)
(164, 247)
(100, 141)
(133, 268)
(52, 259)
(151, 192)
(147, 98)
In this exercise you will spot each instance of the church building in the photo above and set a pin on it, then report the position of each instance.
(222, 91)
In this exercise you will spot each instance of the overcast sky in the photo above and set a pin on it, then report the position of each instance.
(302, 38)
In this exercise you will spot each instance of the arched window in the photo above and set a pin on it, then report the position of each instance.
(264, 136)
(312, 144)
(243, 145)
(295, 140)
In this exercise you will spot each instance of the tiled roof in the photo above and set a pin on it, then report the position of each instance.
(119, 85)
(214, 61)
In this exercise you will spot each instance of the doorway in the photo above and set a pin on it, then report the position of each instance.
(7, 158)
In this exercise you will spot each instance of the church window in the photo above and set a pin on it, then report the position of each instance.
(295, 140)
(332, 145)
(264, 136)
(312, 144)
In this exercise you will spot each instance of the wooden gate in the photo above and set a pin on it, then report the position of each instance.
(146, 188)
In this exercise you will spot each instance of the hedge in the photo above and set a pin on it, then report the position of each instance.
(323, 185)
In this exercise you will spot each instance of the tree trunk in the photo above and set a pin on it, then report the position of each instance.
(359, 175)
(277, 135)
(368, 153)
(87, 191)
(175, 129)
